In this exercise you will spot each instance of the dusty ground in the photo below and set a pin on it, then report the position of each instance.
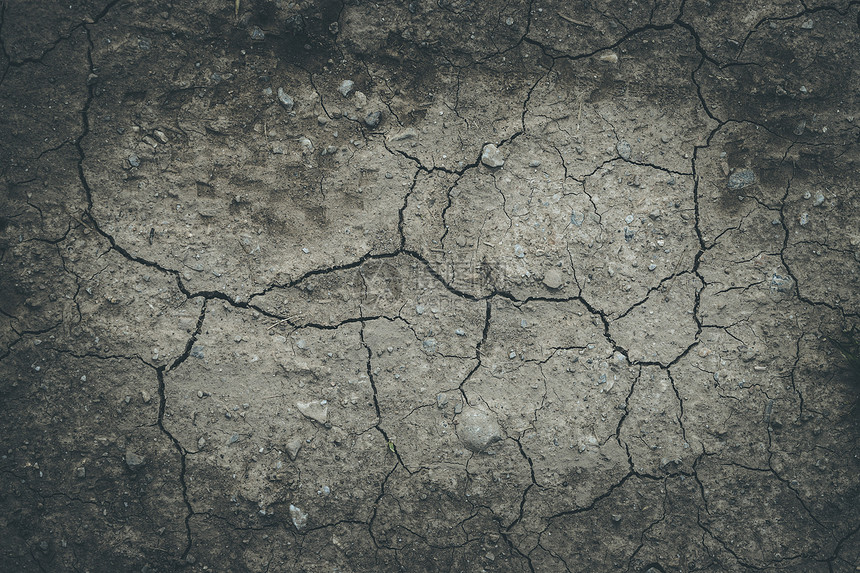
(256, 319)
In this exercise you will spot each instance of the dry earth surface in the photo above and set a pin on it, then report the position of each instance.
(429, 285)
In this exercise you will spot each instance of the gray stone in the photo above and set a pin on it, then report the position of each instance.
(134, 160)
(360, 100)
(477, 429)
(741, 178)
(257, 34)
(134, 460)
(299, 517)
(314, 410)
(552, 279)
(491, 156)
(624, 149)
(800, 127)
(780, 283)
(405, 135)
(372, 119)
(293, 447)
(285, 99)
(819, 199)
(345, 87)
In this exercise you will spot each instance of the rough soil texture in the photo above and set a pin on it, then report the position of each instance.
(549, 286)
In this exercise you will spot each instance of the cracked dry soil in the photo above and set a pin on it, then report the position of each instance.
(257, 318)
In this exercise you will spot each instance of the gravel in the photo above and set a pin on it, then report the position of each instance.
(741, 178)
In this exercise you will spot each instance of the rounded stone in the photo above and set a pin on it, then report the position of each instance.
(478, 430)
(553, 279)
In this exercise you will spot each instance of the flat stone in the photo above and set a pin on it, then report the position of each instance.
(406, 134)
(609, 58)
(478, 430)
(491, 156)
(315, 410)
(293, 447)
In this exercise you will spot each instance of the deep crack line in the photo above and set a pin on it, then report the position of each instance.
(162, 404)
(388, 441)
